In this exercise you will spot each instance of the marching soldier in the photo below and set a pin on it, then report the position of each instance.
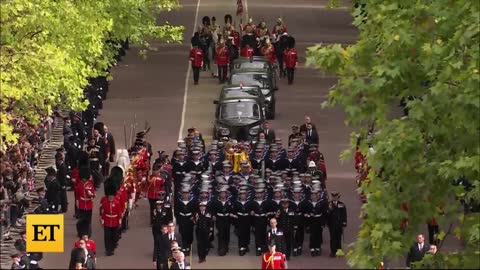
(259, 209)
(336, 221)
(111, 212)
(160, 219)
(121, 197)
(273, 259)
(84, 194)
(213, 164)
(276, 235)
(205, 38)
(269, 51)
(154, 185)
(99, 135)
(241, 214)
(249, 24)
(262, 31)
(279, 29)
(258, 162)
(233, 51)
(290, 57)
(180, 167)
(94, 158)
(184, 210)
(315, 213)
(53, 189)
(62, 178)
(247, 51)
(222, 208)
(204, 229)
(286, 219)
(295, 134)
(222, 59)
(299, 221)
(196, 163)
(214, 29)
(196, 58)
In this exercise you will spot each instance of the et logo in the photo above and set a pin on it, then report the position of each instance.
(45, 233)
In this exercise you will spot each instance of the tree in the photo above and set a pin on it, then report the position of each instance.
(49, 48)
(428, 50)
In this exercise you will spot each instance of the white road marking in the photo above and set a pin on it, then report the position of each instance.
(187, 78)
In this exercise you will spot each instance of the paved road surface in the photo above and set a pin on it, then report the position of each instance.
(153, 89)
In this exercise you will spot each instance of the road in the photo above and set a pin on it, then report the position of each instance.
(155, 90)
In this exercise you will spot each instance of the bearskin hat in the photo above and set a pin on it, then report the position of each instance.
(85, 172)
(195, 41)
(206, 20)
(100, 127)
(83, 160)
(228, 19)
(116, 176)
(110, 188)
(291, 42)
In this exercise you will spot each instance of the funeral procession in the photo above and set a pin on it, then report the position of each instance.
(240, 134)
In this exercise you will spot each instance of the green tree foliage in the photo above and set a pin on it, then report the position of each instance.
(49, 48)
(428, 49)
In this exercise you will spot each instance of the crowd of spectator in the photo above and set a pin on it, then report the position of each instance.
(17, 166)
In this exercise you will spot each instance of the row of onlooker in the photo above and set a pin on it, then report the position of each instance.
(17, 164)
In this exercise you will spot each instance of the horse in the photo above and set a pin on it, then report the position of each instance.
(123, 160)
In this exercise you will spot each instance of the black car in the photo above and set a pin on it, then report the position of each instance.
(261, 78)
(241, 91)
(238, 118)
(256, 62)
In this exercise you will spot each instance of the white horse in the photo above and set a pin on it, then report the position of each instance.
(123, 160)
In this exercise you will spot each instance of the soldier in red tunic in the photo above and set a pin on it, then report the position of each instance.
(222, 59)
(196, 58)
(247, 51)
(154, 185)
(273, 259)
(111, 212)
(290, 57)
(84, 194)
(269, 51)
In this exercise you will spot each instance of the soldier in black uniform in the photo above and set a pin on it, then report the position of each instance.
(62, 173)
(336, 221)
(292, 162)
(160, 218)
(245, 171)
(258, 161)
(212, 163)
(53, 189)
(259, 209)
(94, 158)
(295, 134)
(196, 163)
(204, 228)
(241, 215)
(316, 214)
(222, 208)
(299, 221)
(286, 219)
(179, 168)
(185, 207)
